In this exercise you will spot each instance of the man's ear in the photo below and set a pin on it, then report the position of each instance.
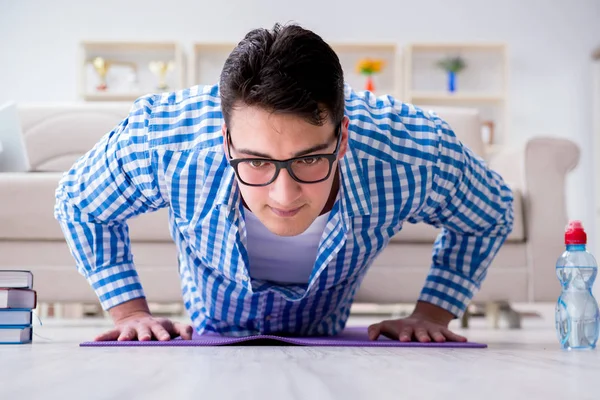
(224, 133)
(344, 133)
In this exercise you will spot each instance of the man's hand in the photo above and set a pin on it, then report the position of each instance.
(426, 323)
(146, 327)
(133, 320)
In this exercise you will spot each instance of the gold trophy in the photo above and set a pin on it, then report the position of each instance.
(160, 69)
(101, 66)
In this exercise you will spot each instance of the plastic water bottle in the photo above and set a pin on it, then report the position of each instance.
(577, 317)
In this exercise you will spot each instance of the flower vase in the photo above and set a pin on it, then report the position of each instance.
(370, 86)
(451, 81)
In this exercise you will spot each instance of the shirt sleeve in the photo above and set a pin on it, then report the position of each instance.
(112, 182)
(473, 206)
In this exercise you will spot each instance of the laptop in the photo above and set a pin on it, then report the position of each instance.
(13, 154)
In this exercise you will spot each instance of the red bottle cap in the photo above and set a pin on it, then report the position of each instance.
(575, 234)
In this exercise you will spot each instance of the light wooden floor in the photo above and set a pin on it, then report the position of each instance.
(522, 364)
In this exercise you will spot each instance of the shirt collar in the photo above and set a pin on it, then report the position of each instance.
(228, 193)
(354, 192)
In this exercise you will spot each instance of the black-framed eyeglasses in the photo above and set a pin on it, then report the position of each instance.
(313, 168)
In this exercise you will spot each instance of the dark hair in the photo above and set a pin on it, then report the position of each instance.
(286, 70)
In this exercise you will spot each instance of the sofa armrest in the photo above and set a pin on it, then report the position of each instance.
(548, 161)
(27, 211)
(28, 200)
(540, 169)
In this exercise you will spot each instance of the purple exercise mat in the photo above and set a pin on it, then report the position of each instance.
(350, 337)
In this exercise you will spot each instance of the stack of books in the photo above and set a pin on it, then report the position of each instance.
(17, 300)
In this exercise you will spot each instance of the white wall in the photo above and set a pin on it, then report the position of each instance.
(550, 45)
(596, 163)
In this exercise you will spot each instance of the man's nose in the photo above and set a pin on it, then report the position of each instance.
(285, 190)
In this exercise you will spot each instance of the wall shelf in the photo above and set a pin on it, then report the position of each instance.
(455, 97)
(458, 46)
(130, 69)
(112, 96)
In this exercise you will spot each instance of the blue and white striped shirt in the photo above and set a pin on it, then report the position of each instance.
(402, 165)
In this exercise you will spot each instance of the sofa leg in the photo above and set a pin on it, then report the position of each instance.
(492, 314)
(513, 317)
(501, 309)
(464, 320)
(92, 310)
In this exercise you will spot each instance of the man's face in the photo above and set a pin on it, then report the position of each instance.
(286, 207)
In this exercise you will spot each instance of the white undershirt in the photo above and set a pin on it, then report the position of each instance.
(283, 259)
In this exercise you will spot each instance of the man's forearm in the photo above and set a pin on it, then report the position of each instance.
(129, 308)
(432, 313)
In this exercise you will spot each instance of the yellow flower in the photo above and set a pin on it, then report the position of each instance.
(369, 66)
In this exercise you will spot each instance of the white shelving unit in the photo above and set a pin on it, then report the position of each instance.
(128, 75)
(483, 84)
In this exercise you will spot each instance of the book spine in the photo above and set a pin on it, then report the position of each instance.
(5, 299)
(15, 326)
(9, 310)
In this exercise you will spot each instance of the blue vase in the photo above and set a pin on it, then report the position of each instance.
(451, 81)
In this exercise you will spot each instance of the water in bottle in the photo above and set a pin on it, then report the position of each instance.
(577, 316)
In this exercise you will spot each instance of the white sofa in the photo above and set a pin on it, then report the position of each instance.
(57, 134)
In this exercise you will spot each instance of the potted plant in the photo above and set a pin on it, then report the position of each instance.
(453, 66)
(369, 67)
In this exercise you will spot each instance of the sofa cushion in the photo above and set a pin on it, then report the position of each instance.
(79, 126)
(76, 126)
(424, 233)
